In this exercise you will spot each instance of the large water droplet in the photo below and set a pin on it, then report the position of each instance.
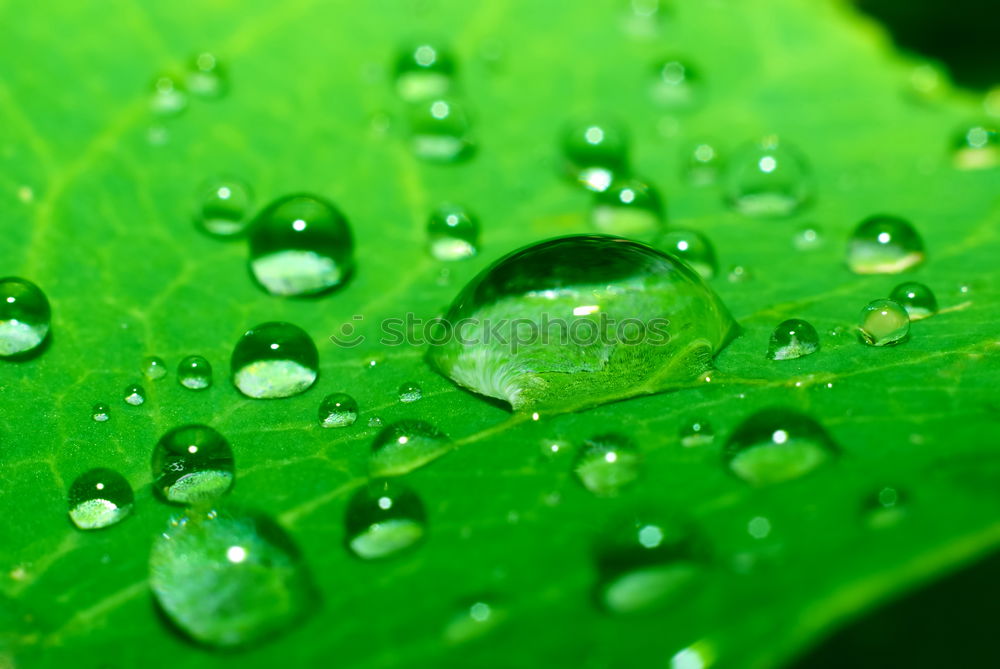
(883, 323)
(453, 232)
(168, 96)
(383, 519)
(192, 464)
(99, 498)
(884, 245)
(423, 72)
(100, 412)
(628, 207)
(916, 298)
(595, 153)
(338, 410)
(693, 248)
(777, 445)
(274, 360)
(676, 85)
(223, 207)
(194, 372)
(579, 321)
(792, 339)
(228, 579)
(767, 179)
(206, 77)
(405, 446)
(24, 317)
(977, 147)
(300, 245)
(153, 368)
(646, 563)
(134, 395)
(440, 131)
(696, 432)
(607, 463)
(410, 392)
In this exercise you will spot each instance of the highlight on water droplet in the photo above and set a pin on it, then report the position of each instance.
(440, 131)
(473, 619)
(424, 71)
(192, 464)
(384, 518)
(223, 207)
(696, 432)
(693, 248)
(375, 421)
(676, 85)
(776, 445)
(410, 392)
(884, 245)
(595, 153)
(25, 317)
(702, 163)
(300, 245)
(228, 578)
(168, 97)
(100, 412)
(883, 323)
(977, 147)
(916, 298)
(99, 498)
(134, 395)
(767, 179)
(452, 232)
(607, 463)
(406, 445)
(153, 368)
(194, 373)
(581, 320)
(338, 410)
(792, 339)
(808, 238)
(885, 507)
(274, 360)
(628, 207)
(206, 76)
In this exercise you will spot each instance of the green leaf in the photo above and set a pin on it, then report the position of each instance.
(96, 196)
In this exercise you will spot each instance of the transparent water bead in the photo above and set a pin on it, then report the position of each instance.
(703, 163)
(192, 464)
(595, 153)
(134, 395)
(274, 360)
(410, 392)
(696, 432)
(916, 298)
(25, 317)
(153, 368)
(883, 323)
(628, 207)
(777, 445)
(338, 410)
(194, 373)
(693, 248)
(99, 498)
(100, 412)
(424, 71)
(440, 131)
(168, 96)
(452, 233)
(228, 578)
(223, 207)
(767, 179)
(580, 320)
(207, 77)
(884, 245)
(646, 563)
(300, 245)
(977, 147)
(676, 85)
(473, 620)
(383, 519)
(607, 463)
(406, 445)
(794, 338)
(886, 507)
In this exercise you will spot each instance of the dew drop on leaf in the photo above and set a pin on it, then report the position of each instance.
(977, 147)
(410, 392)
(606, 464)
(696, 432)
(580, 320)
(274, 360)
(885, 507)
(676, 85)
(384, 518)
(883, 323)
(884, 245)
(194, 373)
(300, 245)
(628, 207)
(375, 421)
(916, 298)
(473, 619)
(25, 317)
(424, 71)
(703, 164)
(808, 238)
(228, 578)
(777, 445)
(452, 233)
(207, 77)
(168, 96)
(554, 449)
(440, 131)
(99, 498)
(338, 410)
(192, 464)
(595, 153)
(153, 368)
(767, 179)
(222, 208)
(792, 339)
(406, 445)
(100, 412)
(739, 274)
(134, 394)
(693, 248)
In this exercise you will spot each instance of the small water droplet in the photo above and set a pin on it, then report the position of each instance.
(410, 392)
(595, 153)
(977, 147)
(676, 85)
(453, 232)
(383, 519)
(767, 179)
(607, 463)
(696, 432)
(693, 248)
(473, 619)
(168, 96)
(228, 579)
(916, 298)
(153, 368)
(100, 412)
(375, 421)
(300, 245)
(338, 410)
(703, 163)
(739, 274)
(192, 464)
(553, 449)
(423, 72)
(404, 446)
(885, 507)
(99, 498)
(777, 445)
(627, 207)
(194, 372)
(134, 395)
(759, 527)
(207, 77)
(25, 316)
(808, 238)
(274, 360)
(223, 207)
(884, 323)
(884, 245)
(792, 339)
(440, 131)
